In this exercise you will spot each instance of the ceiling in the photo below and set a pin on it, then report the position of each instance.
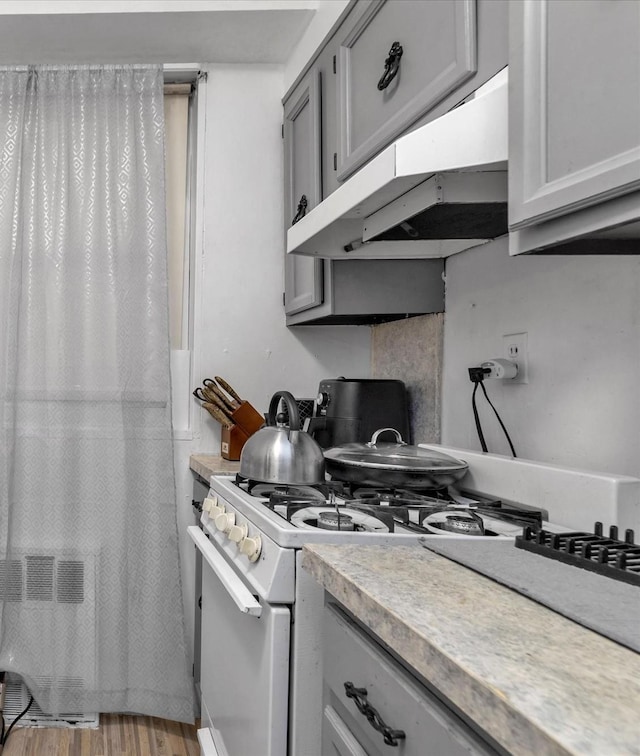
(228, 33)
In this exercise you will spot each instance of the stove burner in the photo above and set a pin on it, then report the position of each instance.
(261, 490)
(335, 521)
(461, 522)
(372, 497)
(358, 519)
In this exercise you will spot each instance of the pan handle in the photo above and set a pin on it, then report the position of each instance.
(374, 438)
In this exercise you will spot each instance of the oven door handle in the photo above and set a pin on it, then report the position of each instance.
(236, 589)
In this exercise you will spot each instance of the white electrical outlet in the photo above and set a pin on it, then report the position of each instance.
(515, 349)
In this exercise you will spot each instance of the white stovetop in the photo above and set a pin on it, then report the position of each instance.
(574, 499)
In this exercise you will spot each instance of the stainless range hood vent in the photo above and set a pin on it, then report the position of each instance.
(434, 192)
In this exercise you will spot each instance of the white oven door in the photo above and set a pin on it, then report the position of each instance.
(244, 662)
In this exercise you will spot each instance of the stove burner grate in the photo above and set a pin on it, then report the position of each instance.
(400, 497)
(405, 508)
(590, 551)
(261, 490)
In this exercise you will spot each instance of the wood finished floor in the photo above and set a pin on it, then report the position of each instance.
(118, 735)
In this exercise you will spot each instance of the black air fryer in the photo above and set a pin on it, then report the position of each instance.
(350, 410)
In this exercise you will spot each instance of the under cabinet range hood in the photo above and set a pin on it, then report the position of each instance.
(434, 192)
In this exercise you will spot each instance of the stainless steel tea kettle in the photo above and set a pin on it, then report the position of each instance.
(282, 454)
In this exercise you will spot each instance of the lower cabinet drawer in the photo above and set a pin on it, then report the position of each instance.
(372, 706)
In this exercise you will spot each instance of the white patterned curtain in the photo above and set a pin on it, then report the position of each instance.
(90, 595)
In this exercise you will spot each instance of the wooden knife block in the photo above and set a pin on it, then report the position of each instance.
(247, 417)
(231, 442)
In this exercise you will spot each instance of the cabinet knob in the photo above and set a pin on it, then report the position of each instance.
(302, 209)
(391, 66)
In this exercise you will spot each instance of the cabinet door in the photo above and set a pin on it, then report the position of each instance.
(302, 156)
(383, 90)
(574, 105)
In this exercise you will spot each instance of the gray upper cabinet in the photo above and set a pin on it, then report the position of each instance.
(341, 292)
(574, 113)
(336, 119)
(397, 59)
(303, 188)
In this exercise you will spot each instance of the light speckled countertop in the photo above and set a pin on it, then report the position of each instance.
(206, 465)
(532, 679)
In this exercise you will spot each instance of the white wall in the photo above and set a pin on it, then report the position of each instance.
(242, 333)
(581, 407)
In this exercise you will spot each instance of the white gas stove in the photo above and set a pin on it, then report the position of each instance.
(261, 681)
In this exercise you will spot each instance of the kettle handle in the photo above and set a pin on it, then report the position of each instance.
(289, 400)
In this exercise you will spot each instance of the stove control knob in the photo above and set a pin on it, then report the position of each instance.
(237, 533)
(322, 400)
(215, 511)
(209, 503)
(224, 521)
(251, 547)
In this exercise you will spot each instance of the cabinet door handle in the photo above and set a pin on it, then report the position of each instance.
(391, 66)
(359, 695)
(302, 209)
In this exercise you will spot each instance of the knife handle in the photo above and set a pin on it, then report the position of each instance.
(232, 393)
(215, 400)
(212, 387)
(200, 394)
(218, 415)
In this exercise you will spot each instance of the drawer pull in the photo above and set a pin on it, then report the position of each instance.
(359, 695)
(302, 209)
(391, 66)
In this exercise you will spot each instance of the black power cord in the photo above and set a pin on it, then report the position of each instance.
(2, 697)
(4, 736)
(476, 376)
